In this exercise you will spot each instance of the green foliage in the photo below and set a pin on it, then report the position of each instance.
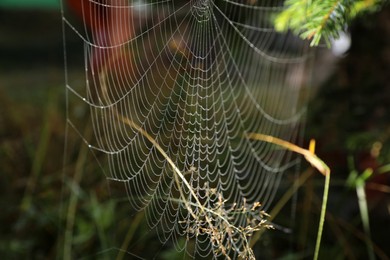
(317, 19)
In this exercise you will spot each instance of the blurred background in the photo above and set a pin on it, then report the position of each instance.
(40, 190)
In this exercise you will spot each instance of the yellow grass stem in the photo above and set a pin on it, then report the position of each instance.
(315, 162)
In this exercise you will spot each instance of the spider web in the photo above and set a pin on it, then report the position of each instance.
(173, 88)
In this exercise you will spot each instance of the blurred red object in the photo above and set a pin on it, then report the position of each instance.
(81, 9)
(110, 25)
(109, 21)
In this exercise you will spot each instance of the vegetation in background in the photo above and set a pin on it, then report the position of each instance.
(322, 19)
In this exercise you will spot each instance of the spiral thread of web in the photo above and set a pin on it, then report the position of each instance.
(188, 80)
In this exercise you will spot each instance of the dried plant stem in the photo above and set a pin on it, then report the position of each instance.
(308, 154)
(178, 174)
(176, 170)
(315, 162)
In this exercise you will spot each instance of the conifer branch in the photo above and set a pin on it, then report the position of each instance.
(315, 20)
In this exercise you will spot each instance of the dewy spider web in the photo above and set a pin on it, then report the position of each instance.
(182, 83)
